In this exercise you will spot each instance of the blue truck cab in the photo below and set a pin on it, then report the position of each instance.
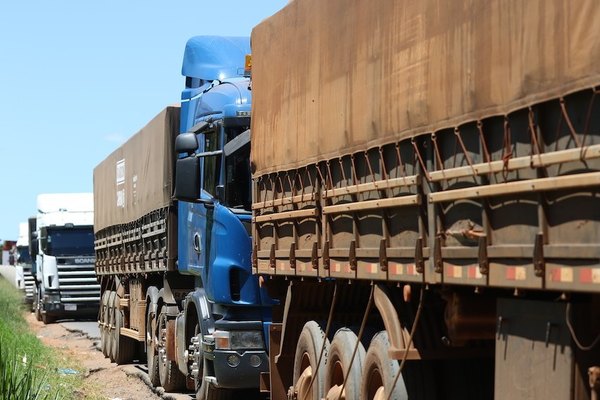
(213, 189)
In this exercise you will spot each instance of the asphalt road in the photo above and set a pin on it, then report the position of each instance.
(89, 328)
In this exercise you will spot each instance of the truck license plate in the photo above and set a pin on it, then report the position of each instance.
(70, 307)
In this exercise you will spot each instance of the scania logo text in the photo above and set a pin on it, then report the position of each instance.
(84, 260)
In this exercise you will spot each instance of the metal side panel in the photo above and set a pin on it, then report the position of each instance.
(534, 359)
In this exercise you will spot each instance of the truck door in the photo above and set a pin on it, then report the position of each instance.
(200, 216)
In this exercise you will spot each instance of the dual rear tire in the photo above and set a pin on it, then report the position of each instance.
(161, 371)
(120, 349)
(103, 321)
(380, 371)
(123, 347)
(369, 375)
(309, 373)
(152, 348)
(169, 376)
(344, 366)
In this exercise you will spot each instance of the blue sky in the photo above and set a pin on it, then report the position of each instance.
(77, 78)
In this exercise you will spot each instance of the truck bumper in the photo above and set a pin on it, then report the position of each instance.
(71, 309)
(245, 374)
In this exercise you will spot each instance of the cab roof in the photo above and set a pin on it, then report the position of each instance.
(215, 57)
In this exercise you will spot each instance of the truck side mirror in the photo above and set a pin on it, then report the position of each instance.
(43, 240)
(187, 178)
(220, 193)
(33, 248)
(186, 143)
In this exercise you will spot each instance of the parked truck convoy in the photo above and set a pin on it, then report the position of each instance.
(61, 240)
(414, 213)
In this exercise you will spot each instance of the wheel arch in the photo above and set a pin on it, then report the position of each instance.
(389, 315)
(197, 305)
(196, 311)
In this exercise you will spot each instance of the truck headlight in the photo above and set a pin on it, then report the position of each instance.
(238, 340)
(51, 298)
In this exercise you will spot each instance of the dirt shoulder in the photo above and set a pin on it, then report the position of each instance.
(102, 379)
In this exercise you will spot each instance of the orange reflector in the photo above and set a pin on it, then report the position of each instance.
(222, 342)
(248, 64)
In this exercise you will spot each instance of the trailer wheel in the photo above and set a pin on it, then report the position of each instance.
(103, 319)
(311, 341)
(123, 346)
(151, 350)
(110, 321)
(340, 356)
(171, 379)
(380, 371)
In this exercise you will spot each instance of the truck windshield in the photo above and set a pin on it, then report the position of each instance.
(24, 257)
(70, 241)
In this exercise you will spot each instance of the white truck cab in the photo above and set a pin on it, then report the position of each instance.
(66, 284)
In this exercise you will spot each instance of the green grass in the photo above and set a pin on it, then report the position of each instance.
(28, 369)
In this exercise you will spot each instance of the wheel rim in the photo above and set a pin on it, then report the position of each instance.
(113, 329)
(150, 342)
(196, 366)
(375, 388)
(345, 366)
(381, 376)
(310, 360)
(103, 326)
(380, 394)
(162, 340)
(335, 391)
(303, 383)
(109, 324)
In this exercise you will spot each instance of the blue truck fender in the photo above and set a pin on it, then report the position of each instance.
(196, 309)
(203, 311)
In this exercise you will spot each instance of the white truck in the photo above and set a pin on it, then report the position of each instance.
(62, 241)
(24, 278)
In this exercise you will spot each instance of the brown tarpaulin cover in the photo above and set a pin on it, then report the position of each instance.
(137, 178)
(336, 76)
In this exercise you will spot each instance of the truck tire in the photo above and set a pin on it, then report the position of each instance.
(103, 313)
(114, 334)
(123, 346)
(379, 372)
(151, 349)
(208, 391)
(340, 359)
(308, 349)
(171, 379)
(37, 305)
(110, 324)
(213, 393)
(48, 319)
